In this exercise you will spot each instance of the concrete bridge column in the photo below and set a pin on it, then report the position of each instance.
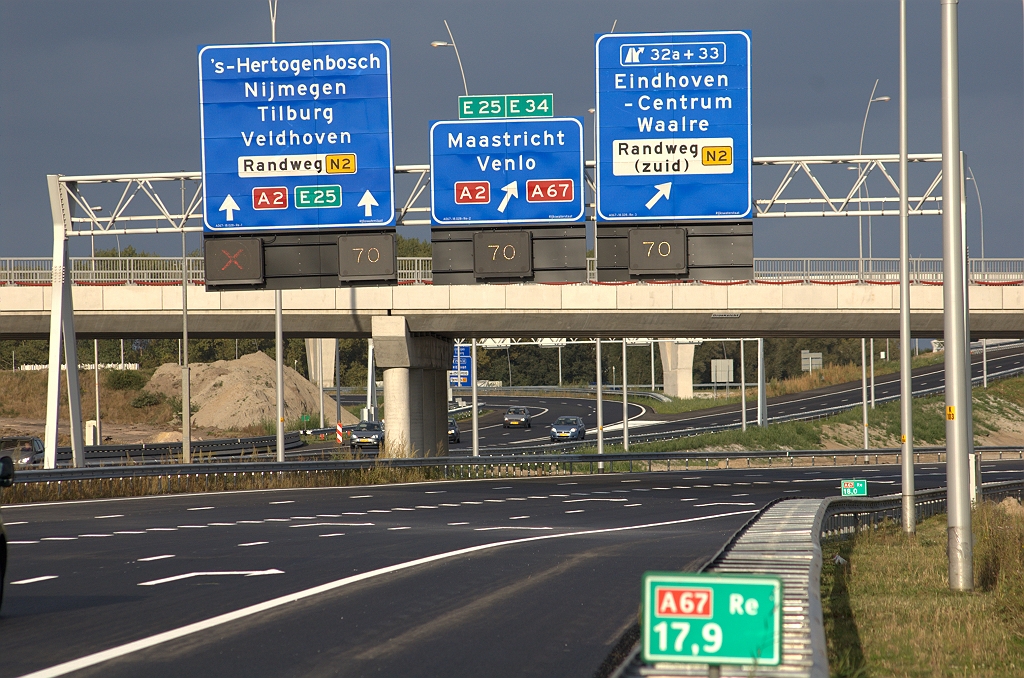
(415, 394)
(677, 366)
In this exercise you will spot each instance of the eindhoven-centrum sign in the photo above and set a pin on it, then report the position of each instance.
(296, 136)
(712, 619)
(673, 126)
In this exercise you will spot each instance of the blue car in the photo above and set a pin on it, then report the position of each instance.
(568, 428)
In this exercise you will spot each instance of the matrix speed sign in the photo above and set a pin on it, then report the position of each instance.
(712, 619)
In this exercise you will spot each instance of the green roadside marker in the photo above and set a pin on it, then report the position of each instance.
(506, 106)
(855, 487)
(712, 619)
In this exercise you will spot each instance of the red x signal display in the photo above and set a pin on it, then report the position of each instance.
(234, 261)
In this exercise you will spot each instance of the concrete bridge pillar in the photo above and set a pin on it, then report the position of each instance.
(415, 390)
(677, 366)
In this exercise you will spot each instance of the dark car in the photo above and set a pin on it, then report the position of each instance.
(23, 450)
(517, 416)
(366, 434)
(6, 480)
(454, 434)
(568, 428)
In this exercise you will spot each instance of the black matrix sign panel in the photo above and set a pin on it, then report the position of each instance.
(234, 261)
(657, 250)
(502, 254)
(367, 257)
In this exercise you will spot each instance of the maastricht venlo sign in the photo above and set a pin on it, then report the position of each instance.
(673, 126)
(296, 136)
(506, 171)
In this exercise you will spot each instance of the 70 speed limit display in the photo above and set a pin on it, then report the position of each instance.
(655, 251)
(712, 619)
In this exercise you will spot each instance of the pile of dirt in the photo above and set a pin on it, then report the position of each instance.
(231, 394)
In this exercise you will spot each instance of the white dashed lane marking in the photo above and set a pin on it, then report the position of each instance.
(290, 501)
(200, 508)
(34, 580)
(255, 543)
(163, 557)
(115, 515)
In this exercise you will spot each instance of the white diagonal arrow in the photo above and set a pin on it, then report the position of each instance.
(189, 575)
(367, 202)
(663, 192)
(511, 191)
(229, 205)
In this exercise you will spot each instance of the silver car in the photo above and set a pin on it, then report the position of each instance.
(517, 416)
(568, 428)
(366, 434)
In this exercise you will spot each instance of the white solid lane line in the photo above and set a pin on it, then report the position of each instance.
(190, 575)
(20, 522)
(22, 542)
(196, 627)
(163, 557)
(33, 580)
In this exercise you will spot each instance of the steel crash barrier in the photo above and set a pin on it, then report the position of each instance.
(784, 540)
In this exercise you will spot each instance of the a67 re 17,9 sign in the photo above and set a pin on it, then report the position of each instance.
(712, 619)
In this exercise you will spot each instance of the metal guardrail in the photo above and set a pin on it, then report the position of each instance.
(507, 465)
(103, 271)
(158, 453)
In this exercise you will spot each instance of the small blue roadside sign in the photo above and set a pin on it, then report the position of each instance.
(673, 126)
(462, 362)
(506, 171)
(296, 136)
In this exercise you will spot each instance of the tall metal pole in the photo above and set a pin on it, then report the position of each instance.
(600, 410)
(337, 381)
(186, 381)
(625, 400)
(743, 388)
(279, 365)
(371, 383)
(476, 403)
(559, 366)
(278, 320)
(320, 376)
(958, 425)
(762, 393)
(652, 366)
(872, 362)
(864, 388)
(906, 366)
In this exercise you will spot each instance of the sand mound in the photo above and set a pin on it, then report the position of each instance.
(236, 393)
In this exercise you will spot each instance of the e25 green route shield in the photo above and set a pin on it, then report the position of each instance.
(712, 618)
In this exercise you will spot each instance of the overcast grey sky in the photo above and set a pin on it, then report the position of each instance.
(89, 87)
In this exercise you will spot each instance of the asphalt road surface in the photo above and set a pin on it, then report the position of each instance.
(520, 577)
(545, 409)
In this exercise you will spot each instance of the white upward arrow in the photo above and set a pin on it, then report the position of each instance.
(511, 191)
(229, 205)
(367, 202)
(663, 192)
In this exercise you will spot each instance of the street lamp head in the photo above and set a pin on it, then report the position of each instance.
(886, 98)
(440, 43)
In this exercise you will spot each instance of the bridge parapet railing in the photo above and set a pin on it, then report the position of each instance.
(30, 271)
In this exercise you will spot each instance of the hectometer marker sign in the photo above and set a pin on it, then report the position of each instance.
(673, 126)
(854, 487)
(712, 619)
(296, 136)
(507, 171)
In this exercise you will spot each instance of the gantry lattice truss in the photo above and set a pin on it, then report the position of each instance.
(141, 201)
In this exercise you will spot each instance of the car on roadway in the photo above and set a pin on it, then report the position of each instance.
(517, 416)
(6, 480)
(454, 434)
(23, 450)
(366, 434)
(568, 428)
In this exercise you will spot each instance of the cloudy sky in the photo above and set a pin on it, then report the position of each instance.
(93, 87)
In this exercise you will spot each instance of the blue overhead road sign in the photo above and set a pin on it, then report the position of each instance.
(296, 136)
(506, 171)
(673, 126)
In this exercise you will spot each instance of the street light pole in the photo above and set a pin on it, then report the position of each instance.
(906, 366)
(442, 43)
(955, 329)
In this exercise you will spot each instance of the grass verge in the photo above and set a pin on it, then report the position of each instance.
(889, 610)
